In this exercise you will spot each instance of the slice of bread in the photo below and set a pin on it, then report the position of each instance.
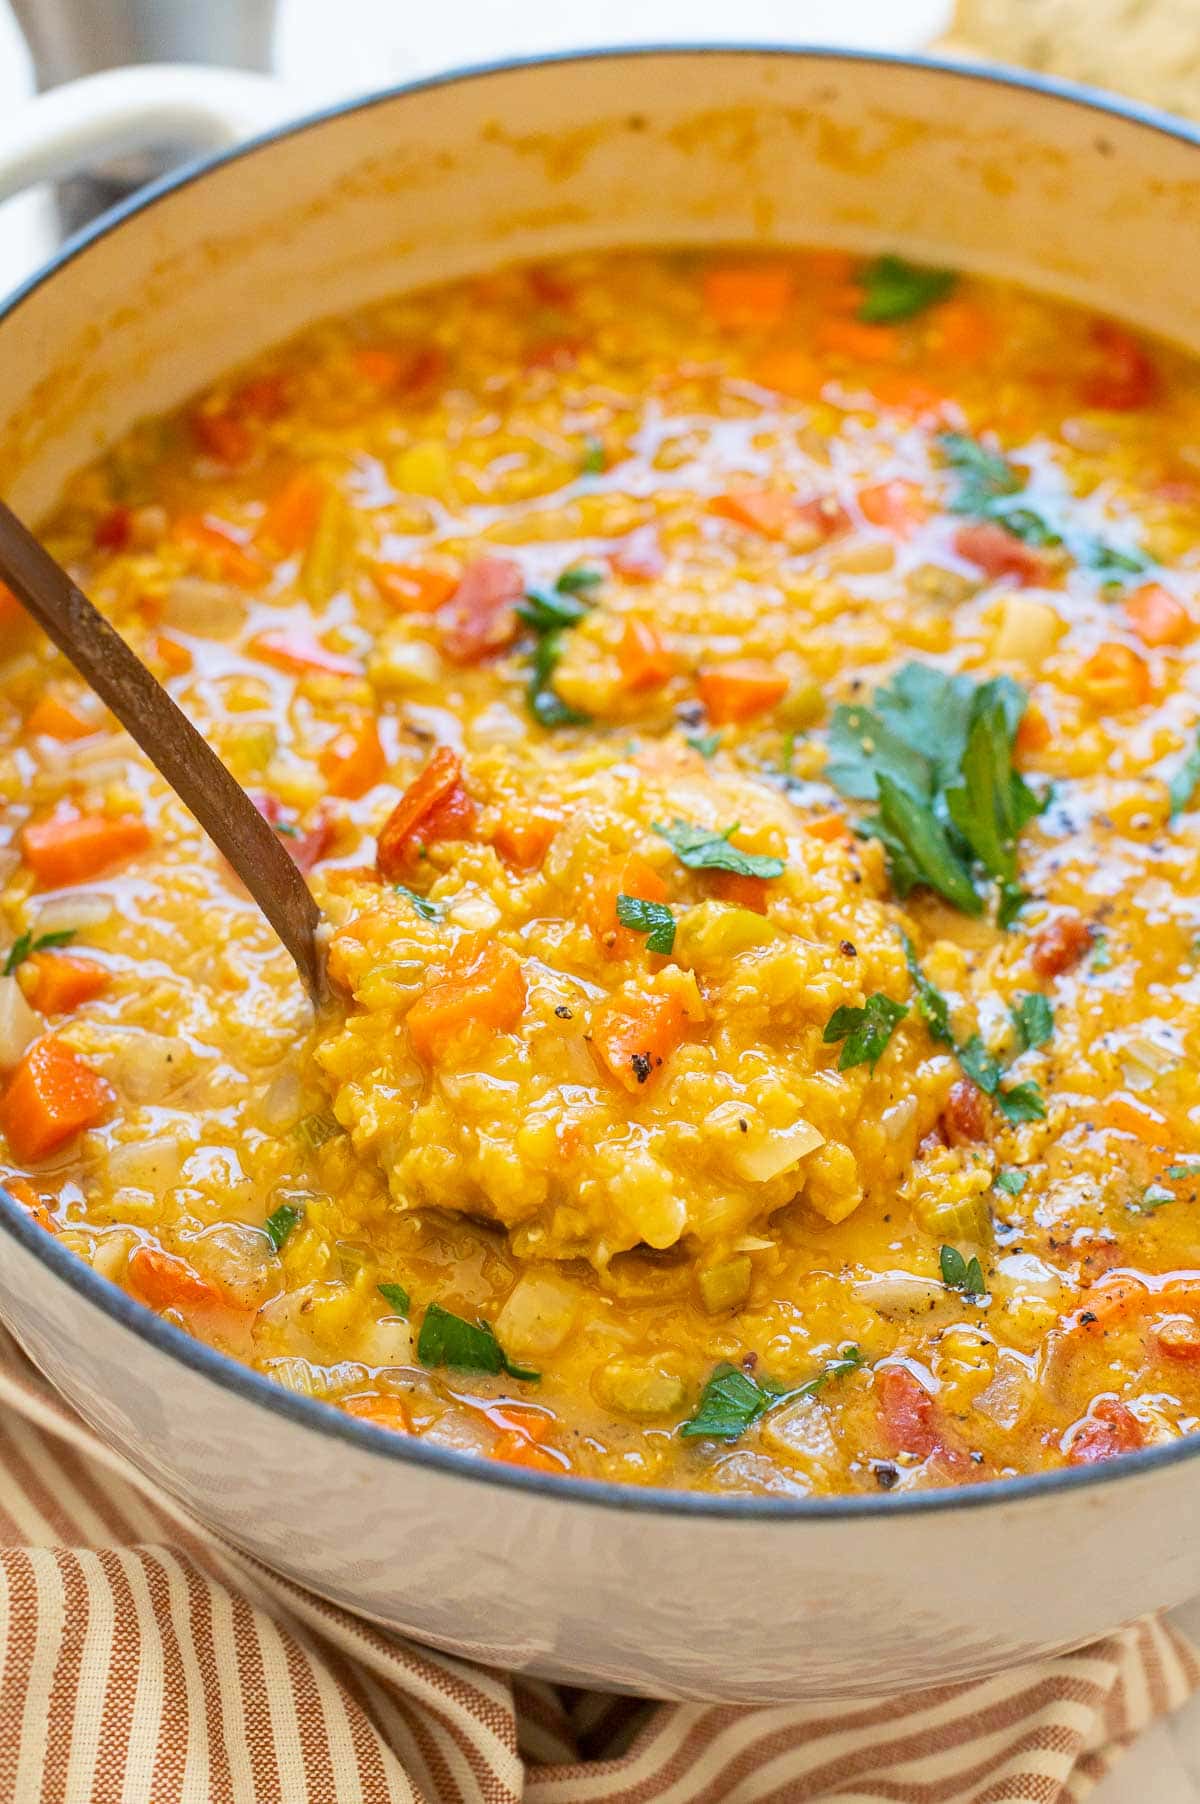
(1149, 49)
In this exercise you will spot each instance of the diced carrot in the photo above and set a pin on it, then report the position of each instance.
(384, 1411)
(300, 654)
(434, 806)
(1157, 616)
(61, 981)
(771, 512)
(221, 436)
(962, 329)
(1060, 944)
(113, 530)
(1126, 377)
(859, 340)
(1115, 678)
(905, 393)
(789, 371)
(640, 557)
(1108, 1429)
(740, 690)
(829, 827)
(824, 517)
(898, 505)
(353, 761)
(633, 1036)
(1129, 1115)
(484, 989)
(1176, 1338)
(51, 1096)
(414, 588)
(827, 267)
(524, 840)
(70, 848)
(215, 547)
(1033, 734)
(535, 1424)
(57, 719)
(165, 1281)
(645, 661)
(518, 1450)
(998, 552)
(290, 518)
(745, 892)
(1120, 1298)
(748, 296)
(623, 876)
(12, 614)
(175, 658)
(23, 1192)
(378, 366)
(405, 369)
(480, 617)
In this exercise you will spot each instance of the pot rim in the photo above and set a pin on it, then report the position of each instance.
(229, 1374)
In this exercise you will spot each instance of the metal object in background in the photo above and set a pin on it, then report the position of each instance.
(68, 38)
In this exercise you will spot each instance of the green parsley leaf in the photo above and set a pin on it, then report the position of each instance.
(732, 1401)
(1101, 959)
(1182, 784)
(1101, 556)
(577, 579)
(704, 743)
(1153, 1197)
(654, 919)
(1011, 1181)
(919, 848)
(984, 476)
(396, 1296)
(594, 460)
(865, 1031)
(1021, 1102)
(549, 613)
(979, 1065)
(1024, 524)
(961, 1274)
(1179, 1172)
(428, 911)
(1033, 1019)
(548, 610)
(932, 1006)
(894, 289)
(280, 1223)
(447, 1340)
(700, 849)
(991, 802)
(545, 704)
(987, 484)
(25, 944)
(287, 829)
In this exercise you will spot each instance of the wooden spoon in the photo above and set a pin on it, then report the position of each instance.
(170, 741)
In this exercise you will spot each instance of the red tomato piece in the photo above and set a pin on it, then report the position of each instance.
(480, 617)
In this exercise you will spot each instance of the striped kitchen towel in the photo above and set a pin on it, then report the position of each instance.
(145, 1661)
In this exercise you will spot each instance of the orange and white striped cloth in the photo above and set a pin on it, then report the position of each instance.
(145, 1661)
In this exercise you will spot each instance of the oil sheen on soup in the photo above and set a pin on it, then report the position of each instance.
(738, 716)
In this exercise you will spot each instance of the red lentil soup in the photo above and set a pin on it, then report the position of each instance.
(738, 716)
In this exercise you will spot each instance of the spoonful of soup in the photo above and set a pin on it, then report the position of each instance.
(169, 740)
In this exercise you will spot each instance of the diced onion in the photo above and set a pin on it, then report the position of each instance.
(211, 609)
(312, 1380)
(282, 1102)
(73, 913)
(538, 1315)
(777, 1152)
(19, 1025)
(152, 1165)
(900, 1293)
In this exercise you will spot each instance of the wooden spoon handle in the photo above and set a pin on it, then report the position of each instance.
(169, 739)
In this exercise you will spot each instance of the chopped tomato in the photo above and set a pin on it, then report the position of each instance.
(113, 530)
(353, 761)
(57, 719)
(298, 653)
(524, 841)
(414, 588)
(639, 558)
(483, 989)
(434, 806)
(1178, 1338)
(51, 1096)
(910, 1420)
(748, 296)
(1115, 678)
(384, 1411)
(165, 1281)
(404, 368)
(628, 876)
(859, 340)
(744, 892)
(645, 661)
(223, 437)
(965, 1115)
(1126, 377)
(633, 1036)
(70, 848)
(1157, 616)
(740, 690)
(998, 552)
(824, 516)
(306, 848)
(216, 548)
(290, 517)
(897, 505)
(480, 617)
(1109, 1428)
(61, 981)
(1060, 944)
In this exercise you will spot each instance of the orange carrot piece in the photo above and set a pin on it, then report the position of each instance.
(771, 512)
(1128, 1115)
(215, 547)
(484, 989)
(897, 505)
(628, 876)
(1115, 678)
(518, 1450)
(12, 614)
(51, 1096)
(70, 848)
(859, 340)
(301, 655)
(1033, 734)
(1157, 616)
(291, 516)
(962, 329)
(414, 588)
(789, 371)
(221, 436)
(645, 661)
(750, 296)
(740, 690)
(1125, 377)
(165, 1281)
(175, 658)
(905, 393)
(434, 806)
(384, 1411)
(23, 1192)
(744, 892)
(633, 1036)
(525, 841)
(61, 981)
(828, 826)
(1176, 1338)
(353, 761)
(57, 719)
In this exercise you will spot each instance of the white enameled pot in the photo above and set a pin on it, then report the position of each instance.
(675, 1595)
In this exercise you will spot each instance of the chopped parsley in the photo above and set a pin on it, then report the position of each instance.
(733, 1401)
(21, 948)
(1184, 780)
(700, 849)
(1101, 959)
(594, 460)
(1019, 1102)
(894, 289)
(1178, 1173)
(550, 614)
(396, 1296)
(931, 1003)
(654, 919)
(984, 477)
(428, 911)
(1153, 1197)
(1011, 1181)
(280, 1223)
(706, 744)
(447, 1340)
(1033, 1020)
(865, 1031)
(936, 753)
(961, 1274)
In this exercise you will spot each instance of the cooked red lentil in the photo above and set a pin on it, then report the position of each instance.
(739, 717)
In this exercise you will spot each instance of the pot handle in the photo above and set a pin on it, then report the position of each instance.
(68, 129)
